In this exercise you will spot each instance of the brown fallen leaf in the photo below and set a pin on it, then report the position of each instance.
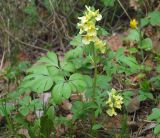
(115, 42)
(66, 105)
(30, 117)
(112, 122)
(134, 105)
(60, 130)
(149, 135)
(134, 4)
(24, 132)
(69, 116)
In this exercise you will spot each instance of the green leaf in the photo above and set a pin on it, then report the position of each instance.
(50, 60)
(158, 68)
(50, 112)
(74, 53)
(130, 62)
(39, 80)
(61, 91)
(157, 129)
(133, 50)
(25, 100)
(102, 81)
(77, 41)
(96, 126)
(31, 10)
(58, 79)
(127, 97)
(66, 91)
(144, 22)
(37, 83)
(77, 113)
(6, 109)
(133, 35)
(146, 44)
(155, 114)
(24, 110)
(77, 82)
(67, 66)
(88, 80)
(154, 18)
(56, 94)
(108, 2)
(145, 95)
(53, 71)
(102, 31)
(38, 69)
(36, 104)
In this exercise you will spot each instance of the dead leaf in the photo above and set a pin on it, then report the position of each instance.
(60, 130)
(24, 132)
(69, 116)
(113, 122)
(66, 105)
(115, 42)
(30, 117)
(134, 105)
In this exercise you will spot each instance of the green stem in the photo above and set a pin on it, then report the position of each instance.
(94, 87)
(95, 75)
(140, 43)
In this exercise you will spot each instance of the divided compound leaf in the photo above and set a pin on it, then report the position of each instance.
(39, 81)
(76, 41)
(77, 82)
(50, 60)
(61, 91)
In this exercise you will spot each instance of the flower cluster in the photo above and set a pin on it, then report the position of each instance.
(114, 101)
(133, 24)
(88, 29)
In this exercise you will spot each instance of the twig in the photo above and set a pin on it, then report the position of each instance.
(124, 9)
(2, 60)
(21, 42)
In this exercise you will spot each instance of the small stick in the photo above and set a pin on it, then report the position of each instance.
(124, 9)
(2, 60)
(33, 46)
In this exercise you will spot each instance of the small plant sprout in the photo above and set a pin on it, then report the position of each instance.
(114, 101)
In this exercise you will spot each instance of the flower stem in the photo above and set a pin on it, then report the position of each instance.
(94, 88)
(95, 75)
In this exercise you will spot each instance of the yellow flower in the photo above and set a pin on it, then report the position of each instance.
(133, 24)
(114, 101)
(86, 39)
(98, 17)
(83, 19)
(89, 25)
(111, 112)
(99, 44)
(93, 14)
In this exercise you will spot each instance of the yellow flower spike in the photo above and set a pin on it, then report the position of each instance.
(99, 44)
(111, 112)
(93, 14)
(114, 101)
(133, 24)
(86, 39)
(89, 25)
